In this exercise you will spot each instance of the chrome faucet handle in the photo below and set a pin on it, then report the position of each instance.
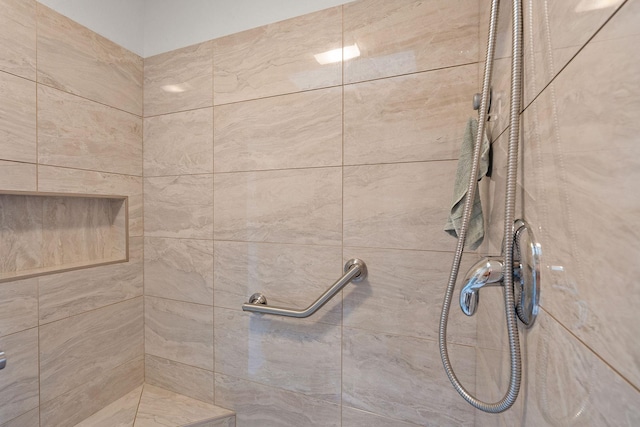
(486, 272)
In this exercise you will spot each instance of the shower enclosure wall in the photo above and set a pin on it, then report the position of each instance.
(254, 162)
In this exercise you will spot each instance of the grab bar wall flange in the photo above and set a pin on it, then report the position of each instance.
(355, 270)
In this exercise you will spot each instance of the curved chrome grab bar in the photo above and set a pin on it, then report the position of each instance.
(355, 270)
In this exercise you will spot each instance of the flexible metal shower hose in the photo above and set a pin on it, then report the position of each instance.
(509, 216)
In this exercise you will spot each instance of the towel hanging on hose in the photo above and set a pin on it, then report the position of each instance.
(475, 233)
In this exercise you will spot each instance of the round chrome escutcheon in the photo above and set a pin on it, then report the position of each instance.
(527, 276)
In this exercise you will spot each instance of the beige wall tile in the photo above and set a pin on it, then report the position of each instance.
(91, 396)
(180, 143)
(29, 419)
(55, 179)
(16, 176)
(402, 378)
(283, 353)
(291, 131)
(179, 331)
(121, 413)
(19, 391)
(77, 60)
(82, 349)
(77, 133)
(179, 378)
(406, 36)
(18, 306)
(260, 206)
(289, 275)
(67, 294)
(17, 118)
(278, 58)
(18, 37)
(403, 206)
(357, 418)
(179, 80)
(21, 233)
(179, 269)
(277, 407)
(409, 118)
(179, 206)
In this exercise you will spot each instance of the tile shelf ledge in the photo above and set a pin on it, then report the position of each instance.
(45, 233)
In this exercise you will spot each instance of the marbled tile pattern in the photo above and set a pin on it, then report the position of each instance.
(15, 176)
(55, 179)
(407, 36)
(20, 233)
(291, 131)
(19, 391)
(179, 331)
(397, 206)
(77, 133)
(77, 60)
(18, 306)
(280, 352)
(179, 269)
(74, 292)
(121, 413)
(290, 275)
(80, 348)
(93, 395)
(180, 143)
(179, 80)
(357, 418)
(257, 405)
(278, 58)
(408, 118)
(17, 118)
(179, 378)
(18, 37)
(179, 206)
(29, 419)
(290, 206)
(402, 378)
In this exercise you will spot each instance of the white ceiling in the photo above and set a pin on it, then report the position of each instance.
(149, 27)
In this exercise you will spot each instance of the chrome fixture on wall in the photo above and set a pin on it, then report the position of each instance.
(355, 270)
(3, 360)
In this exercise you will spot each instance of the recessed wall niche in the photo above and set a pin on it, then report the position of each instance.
(43, 233)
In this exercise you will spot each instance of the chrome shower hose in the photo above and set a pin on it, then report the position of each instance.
(510, 201)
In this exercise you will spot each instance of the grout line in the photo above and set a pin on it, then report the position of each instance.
(89, 311)
(342, 230)
(89, 170)
(171, 113)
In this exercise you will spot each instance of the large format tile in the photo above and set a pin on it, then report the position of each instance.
(82, 348)
(179, 378)
(17, 118)
(121, 413)
(290, 206)
(403, 294)
(180, 143)
(77, 133)
(18, 37)
(19, 390)
(29, 419)
(257, 405)
(278, 58)
(77, 60)
(403, 206)
(179, 80)
(289, 275)
(18, 306)
(409, 118)
(407, 36)
(64, 180)
(179, 206)
(179, 269)
(290, 131)
(179, 331)
(74, 292)
(15, 176)
(20, 233)
(357, 418)
(285, 353)
(402, 378)
(77, 404)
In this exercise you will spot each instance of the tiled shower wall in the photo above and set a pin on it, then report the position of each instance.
(579, 191)
(265, 170)
(70, 122)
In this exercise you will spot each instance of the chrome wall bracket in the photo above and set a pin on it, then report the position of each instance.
(526, 276)
(355, 270)
(3, 360)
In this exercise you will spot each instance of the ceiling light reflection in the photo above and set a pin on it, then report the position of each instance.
(336, 55)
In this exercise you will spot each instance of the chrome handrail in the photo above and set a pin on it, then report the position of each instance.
(355, 270)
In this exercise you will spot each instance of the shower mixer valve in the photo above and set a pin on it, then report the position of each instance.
(526, 276)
